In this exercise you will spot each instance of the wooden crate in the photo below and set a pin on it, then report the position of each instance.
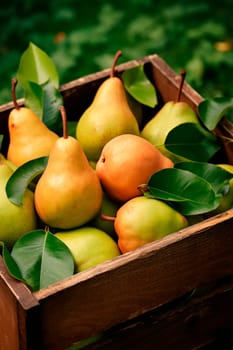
(172, 293)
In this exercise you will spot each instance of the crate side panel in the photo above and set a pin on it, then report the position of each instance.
(9, 338)
(191, 322)
(155, 277)
(19, 322)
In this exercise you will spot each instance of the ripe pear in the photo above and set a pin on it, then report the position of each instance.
(68, 194)
(15, 220)
(108, 115)
(126, 162)
(89, 246)
(30, 138)
(142, 220)
(172, 114)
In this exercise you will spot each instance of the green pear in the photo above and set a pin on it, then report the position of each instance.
(109, 207)
(172, 114)
(68, 194)
(29, 137)
(109, 115)
(142, 220)
(15, 220)
(89, 246)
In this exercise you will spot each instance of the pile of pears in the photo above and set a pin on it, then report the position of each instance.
(93, 180)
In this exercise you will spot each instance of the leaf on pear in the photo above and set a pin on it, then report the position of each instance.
(188, 193)
(139, 86)
(22, 177)
(212, 111)
(42, 259)
(192, 141)
(36, 66)
(215, 175)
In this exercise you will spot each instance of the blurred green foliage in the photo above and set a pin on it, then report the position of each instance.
(82, 37)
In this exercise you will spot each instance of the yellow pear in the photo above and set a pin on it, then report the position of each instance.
(89, 246)
(30, 138)
(15, 220)
(142, 220)
(68, 193)
(172, 114)
(109, 115)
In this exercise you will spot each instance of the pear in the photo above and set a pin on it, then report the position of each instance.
(89, 246)
(15, 220)
(30, 138)
(172, 114)
(142, 220)
(108, 115)
(68, 194)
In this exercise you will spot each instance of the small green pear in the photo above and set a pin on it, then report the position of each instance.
(15, 220)
(142, 220)
(29, 137)
(109, 115)
(172, 114)
(68, 194)
(89, 246)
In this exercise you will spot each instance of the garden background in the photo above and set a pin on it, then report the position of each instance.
(82, 37)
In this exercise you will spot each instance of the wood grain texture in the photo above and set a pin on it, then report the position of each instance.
(17, 304)
(203, 320)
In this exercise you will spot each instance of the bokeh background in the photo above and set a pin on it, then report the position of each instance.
(82, 37)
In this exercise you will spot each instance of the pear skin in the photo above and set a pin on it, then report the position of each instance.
(142, 220)
(172, 114)
(68, 193)
(108, 115)
(15, 220)
(89, 246)
(126, 162)
(29, 137)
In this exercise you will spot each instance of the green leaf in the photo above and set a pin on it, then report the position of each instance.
(189, 194)
(215, 175)
(22, 177)
(36, 66)
(52, 100)
(42, 259)
(10, 263)
(211, 111)
(1, 139)
(139, 86)
(33, 97)
(192, 141)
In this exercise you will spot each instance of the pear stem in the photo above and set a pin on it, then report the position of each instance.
(13, 88)
(107, 217)
(143, 188)
(64, 121)
(182, 75)
(113, 68)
